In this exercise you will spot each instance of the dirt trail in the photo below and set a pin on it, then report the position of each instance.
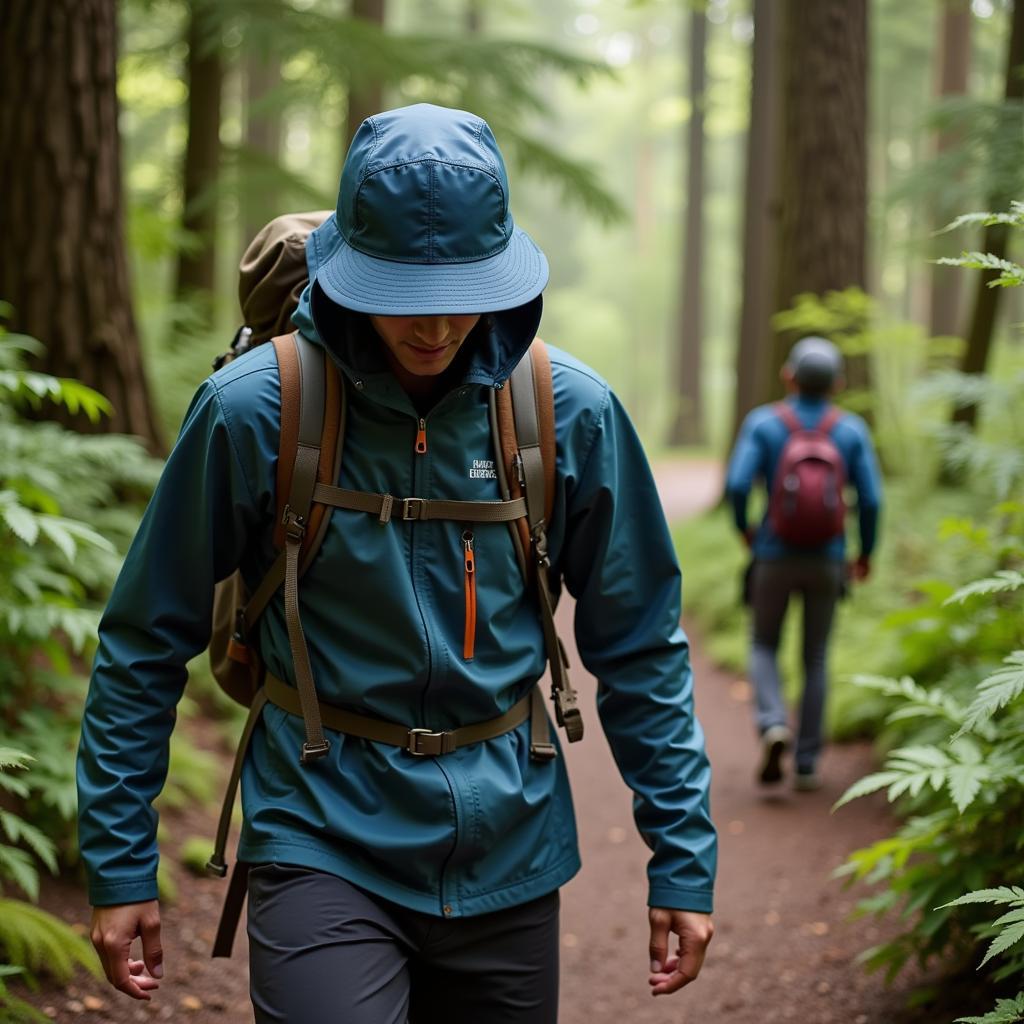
(781, 952)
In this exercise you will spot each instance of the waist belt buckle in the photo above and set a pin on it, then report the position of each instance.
(413, 508)
(426, 743)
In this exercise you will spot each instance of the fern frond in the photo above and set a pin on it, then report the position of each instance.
(1007, 1011)
(1002, 581)
(41, 943)
(995, 692)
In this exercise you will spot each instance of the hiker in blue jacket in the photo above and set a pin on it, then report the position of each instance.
(385, 886)
(810, 562)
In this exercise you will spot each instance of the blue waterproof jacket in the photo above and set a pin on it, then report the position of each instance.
(383, 610)
(757, 452)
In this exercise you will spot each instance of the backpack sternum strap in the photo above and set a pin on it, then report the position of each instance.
(387, 507)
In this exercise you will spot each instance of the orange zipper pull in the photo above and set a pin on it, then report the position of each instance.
(421, 438)
(469, 642)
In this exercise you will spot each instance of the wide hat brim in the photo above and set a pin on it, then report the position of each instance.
(368, 284)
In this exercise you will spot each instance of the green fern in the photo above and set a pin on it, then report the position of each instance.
(41, 943)
(996, 692)
(1007, 1011)
(1002, 581)
(15, 1010)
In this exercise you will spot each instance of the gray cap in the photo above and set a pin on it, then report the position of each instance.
(815, 364)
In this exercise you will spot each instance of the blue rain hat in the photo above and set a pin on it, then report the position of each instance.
(424, 224)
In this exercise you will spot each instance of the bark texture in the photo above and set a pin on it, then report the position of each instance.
(760, 220)
(951, 80)
(65, 268)
(365, 98)
(263, 135)
(986, 299)
(688, 427)
(196, 278)
(823, 176)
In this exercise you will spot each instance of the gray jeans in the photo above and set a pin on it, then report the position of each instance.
(323, 951)
(820, 583)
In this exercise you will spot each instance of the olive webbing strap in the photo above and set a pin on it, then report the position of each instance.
(501, 461)
(525, 406)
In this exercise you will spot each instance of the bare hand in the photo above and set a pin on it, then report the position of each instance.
(113, 931)
(669, 973)
(861, 569)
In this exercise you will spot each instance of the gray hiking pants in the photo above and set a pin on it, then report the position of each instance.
(323, 950)
(820, 583)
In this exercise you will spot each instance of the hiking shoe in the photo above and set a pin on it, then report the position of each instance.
(806, 780)
(774, 743)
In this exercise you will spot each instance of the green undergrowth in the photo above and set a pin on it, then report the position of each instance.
(910, 557)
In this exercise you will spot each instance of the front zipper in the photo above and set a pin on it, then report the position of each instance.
(469, 643)
(421, 438)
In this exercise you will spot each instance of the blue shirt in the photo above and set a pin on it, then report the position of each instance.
(756, 456)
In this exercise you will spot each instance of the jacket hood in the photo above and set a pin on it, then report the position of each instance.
(494, 348)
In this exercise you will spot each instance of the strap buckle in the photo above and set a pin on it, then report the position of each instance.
(294, 525)
(314, 751)
(217, 867)
(568, 714)
(413, 508)
(427, 743)
(543, 751)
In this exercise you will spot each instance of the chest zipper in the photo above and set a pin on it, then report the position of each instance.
(469, 560)
(421, 438)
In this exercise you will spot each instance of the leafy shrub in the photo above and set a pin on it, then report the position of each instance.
(31, 940)
(958, 768)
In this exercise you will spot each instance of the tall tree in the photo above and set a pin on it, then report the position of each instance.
(760, 218)
(823, 169)
(986, 298)
(688, 425)
(65, 268)
(365, 95)
(474, 17)
(262, 140)
(954, 53)
(204, 72)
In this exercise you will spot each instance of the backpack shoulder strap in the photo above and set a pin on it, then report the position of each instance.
(523, 422)
(828, 422)
(788, 415)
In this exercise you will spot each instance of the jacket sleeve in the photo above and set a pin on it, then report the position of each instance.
(157, 619)
(746, 464)
(867, 480)
(619, 563)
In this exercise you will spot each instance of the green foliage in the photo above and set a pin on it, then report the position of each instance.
(195, 852)
(1007, 1011)
(959, 774)
(15, 1010)
(31, 940)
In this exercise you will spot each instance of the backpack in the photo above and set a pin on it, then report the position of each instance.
(313, 408)
(806, 506)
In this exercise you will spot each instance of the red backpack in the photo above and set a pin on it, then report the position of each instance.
(806, 506)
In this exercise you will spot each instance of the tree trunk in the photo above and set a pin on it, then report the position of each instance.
(196, 279)
(263, 133)
(365, 98)
(760, 223)
(65, 270)
(688, 427)
(823, 176)
(986, 299)
(474, 17)
(950, 80)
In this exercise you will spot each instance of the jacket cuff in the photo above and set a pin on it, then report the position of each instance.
(699, 901)
(134, 890)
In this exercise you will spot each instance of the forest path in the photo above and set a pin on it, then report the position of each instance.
(782, 949)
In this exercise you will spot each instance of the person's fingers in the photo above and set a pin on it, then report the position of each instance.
(152, 951)
(117, 946)
(694, 933)
(137, 969)
(660, 922)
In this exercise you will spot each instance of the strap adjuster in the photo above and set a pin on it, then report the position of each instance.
(426, 743)
(568, 714)
(294, 524)
(314, 751)
(217, 867)
(413, 508)
(543, 751)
